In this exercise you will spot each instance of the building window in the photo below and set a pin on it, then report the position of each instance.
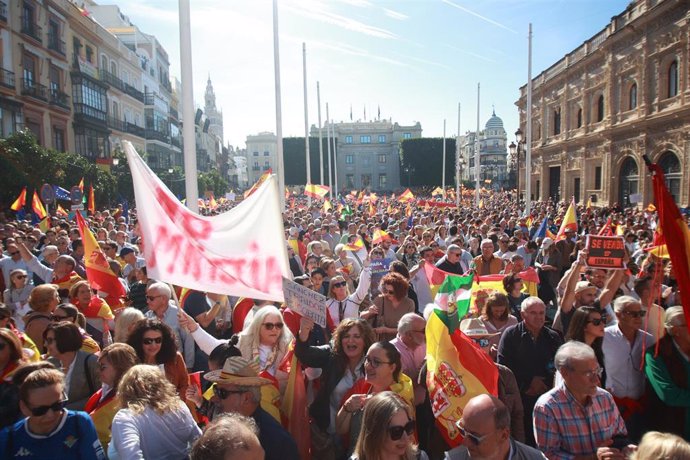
(382, 138)
(348, 139)
(266, 153)
(597, 178)
(59, 138)
(670, 164)
(29, 72)
(557, 122)
(579, 118)
(91, 143)
(382, 157)
(366, 180)
(365, 139)
(104, 62)
(267, 164)
(600, 108)
(407, 135)
(349, 159)
(382, 181)
(256, 154)
(632, 96)
(89, 54)
(673, 79)
(350, 181)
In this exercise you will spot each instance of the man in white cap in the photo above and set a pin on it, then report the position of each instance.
(237, 388)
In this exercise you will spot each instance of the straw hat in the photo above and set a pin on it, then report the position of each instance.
(474, 327)
(238, 371)
(583, 286)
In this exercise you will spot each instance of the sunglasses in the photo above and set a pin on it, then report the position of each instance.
(270, 326)
(59, 318)
(635, 314)
(20, 277)
(396, 431)
(596, 321)
(476, 440)
(340, 284)
(373, 362)
(151, 298)
(223, 394)
(156, 340)
(58, 406)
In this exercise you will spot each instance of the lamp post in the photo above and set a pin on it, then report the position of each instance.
(409, 170)
(515, 151)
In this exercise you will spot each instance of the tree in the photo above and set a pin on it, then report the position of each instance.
(425, 156)
(212, 181)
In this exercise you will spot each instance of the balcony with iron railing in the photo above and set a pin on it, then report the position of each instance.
(176, 142)
(30, 28)
(135, 93)
(59, 98)
(7, 78)
(117, 125)
(149, 99)
(33, 89)
(55, 44)
(111, 79)
(86, 113)
(135, 129)
(155, 135)
(3, 11)
(174, 114)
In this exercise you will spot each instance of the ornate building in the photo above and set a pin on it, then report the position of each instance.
(214, 115)
(622, 94)
(492, 153)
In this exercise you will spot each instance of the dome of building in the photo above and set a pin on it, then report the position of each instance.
(494, 122)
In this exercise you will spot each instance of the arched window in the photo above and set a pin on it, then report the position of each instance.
(600, 108)
(113, 68)
(670, 164)
(557, 122)
(673, 79)
(629, 179)
(579, 118)
(632, 97)
(104, 62)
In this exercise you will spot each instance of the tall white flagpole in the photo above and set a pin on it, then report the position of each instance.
(306, 118)
(318, 101)
(528, 130)
(443, 165)
(328, 144)
(477, 167)
(458, 179)
(189, 142)
(279, 113)
(335, 161)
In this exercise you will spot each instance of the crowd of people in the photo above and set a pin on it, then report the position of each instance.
(594, 364)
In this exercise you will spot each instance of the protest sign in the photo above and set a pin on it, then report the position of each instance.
(304, 301)
(605, 252)
(380, 266)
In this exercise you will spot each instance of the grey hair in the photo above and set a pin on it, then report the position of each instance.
(486, 241)
(572, 350)
(670, 316)
(623, 301)
(530, 301)
(162, 288)
(405, 323)
(252, 390)
(226, 438)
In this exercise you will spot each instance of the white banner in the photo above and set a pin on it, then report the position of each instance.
(241, 252)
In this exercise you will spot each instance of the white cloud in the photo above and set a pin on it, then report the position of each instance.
(477, 15)
(395, 14)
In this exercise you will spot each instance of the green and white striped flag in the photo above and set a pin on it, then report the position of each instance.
(454, 296)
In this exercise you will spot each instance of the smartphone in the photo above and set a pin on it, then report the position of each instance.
(620, 442)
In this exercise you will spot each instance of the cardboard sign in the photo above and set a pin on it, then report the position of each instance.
(605, 252)
(380, 266)
(304, 301)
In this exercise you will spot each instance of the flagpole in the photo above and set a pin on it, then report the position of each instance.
(476, 153)
(328, 145)
(189, 141)
(279, 121)
(318, 101)
(335, 162)
(458, 179)
(443, 163)
(528, 130)
(306, 118)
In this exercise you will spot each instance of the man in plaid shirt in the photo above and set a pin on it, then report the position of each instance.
(578, 419)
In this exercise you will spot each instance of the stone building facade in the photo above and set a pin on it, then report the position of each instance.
(620, 95)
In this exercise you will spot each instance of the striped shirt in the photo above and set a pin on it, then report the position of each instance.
(564, 428)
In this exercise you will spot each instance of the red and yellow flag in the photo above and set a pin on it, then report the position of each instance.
(327, 206)
(406, 196)
(92, 200)
(99, 274)
(20, 202)
(60, 211)
(569, 221)
(258, 183)
(379, 236)
(294, 405)
(316, 190)
(212, 204)
(37, 206)
(81, 185)
(356, 246)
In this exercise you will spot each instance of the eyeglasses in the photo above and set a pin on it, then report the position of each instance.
(596, 321)
(270, 326)
(340, 284)
(375, 362)
(223, 394)
(58, 406)
(598, 372)
(454, 254)
(396, 431)
(151, 341)
(635, 314)
(20, 277)
(59, 318)
(151, 298)
(476, 439)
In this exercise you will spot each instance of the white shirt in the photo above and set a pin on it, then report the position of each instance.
(624, 364)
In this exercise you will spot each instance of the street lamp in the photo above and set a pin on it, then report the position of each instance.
(409, 170)
(515, 151)
(116, 161)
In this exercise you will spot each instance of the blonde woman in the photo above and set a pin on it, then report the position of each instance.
(43, 300)
(153, 421)
(661, 446)
(124, 323)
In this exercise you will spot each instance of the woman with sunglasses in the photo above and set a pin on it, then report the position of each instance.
(49, 429)
(16, 296)
(341, 304)
(387, 430)
(382, 372)
(43, 301)
(63, 343)
(347, 266)
(68, 312)
(153, 422)
(389, 306)
(407, 253)
(587, 326)
(154, 343)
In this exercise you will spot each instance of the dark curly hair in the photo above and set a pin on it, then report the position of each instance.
(168, 349)
(344, 327)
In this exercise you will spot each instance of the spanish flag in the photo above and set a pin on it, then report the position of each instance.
(437, 191)
(20, 202)
(92, 200)
(61, 211)
(674, 229)
(327, 206)
(212, 204)
(316, 191)
(37, 206)
(358, 244)
(379, 236)
(258, 183)
(458, 370)
(99, 274)
(569, 221)
(294, 405)
(406, 196)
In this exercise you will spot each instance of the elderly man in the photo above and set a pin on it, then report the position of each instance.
(624, 346)
(62, 273)
(487, 263)
(161, 308)
(578, 419)
(237, 389)
(13, 262)
(528, 348)
(485, 427)
(453, 261)
(231, 436)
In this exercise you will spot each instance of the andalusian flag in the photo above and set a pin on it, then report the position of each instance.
(258, 183)
(37, 206)
(453, 297)
(99, 274)
(20, 202)
(569, 221)
(92, 200)
(457, 371)
(316, 190)
(406, 196)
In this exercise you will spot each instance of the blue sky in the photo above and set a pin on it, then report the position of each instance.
(416, 59)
